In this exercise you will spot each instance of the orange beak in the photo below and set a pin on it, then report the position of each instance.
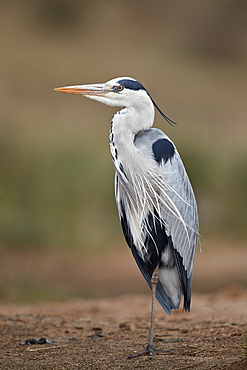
(94, 89)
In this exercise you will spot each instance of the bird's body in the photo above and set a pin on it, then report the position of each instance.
(154, 197)
(155, 210)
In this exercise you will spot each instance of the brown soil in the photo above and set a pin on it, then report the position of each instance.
(100, 334)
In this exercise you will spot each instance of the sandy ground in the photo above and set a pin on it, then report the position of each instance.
(100, 334)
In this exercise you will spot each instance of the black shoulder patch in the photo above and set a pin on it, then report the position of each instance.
(131, 84)
(163, 149)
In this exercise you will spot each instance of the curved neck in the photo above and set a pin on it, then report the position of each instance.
(127, 122)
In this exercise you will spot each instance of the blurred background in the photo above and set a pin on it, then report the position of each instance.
(59, 230)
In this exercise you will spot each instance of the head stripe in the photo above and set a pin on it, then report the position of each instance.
(131, 84)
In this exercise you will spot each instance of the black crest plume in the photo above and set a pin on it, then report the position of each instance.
(171, 122)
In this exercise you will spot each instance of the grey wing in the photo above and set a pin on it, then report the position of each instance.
(169, 228)
(179, 208)
(183, 221)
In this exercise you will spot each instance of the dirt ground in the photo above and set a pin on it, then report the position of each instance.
(100, 334)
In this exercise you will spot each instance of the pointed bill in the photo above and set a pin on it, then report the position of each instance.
(93, 89)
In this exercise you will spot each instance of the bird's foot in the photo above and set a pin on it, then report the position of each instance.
(149, 350)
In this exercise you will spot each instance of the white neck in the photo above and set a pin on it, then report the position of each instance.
(125, 125)
(130, 120)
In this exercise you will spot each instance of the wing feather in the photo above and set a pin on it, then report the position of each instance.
(179, 208)
(158, 213)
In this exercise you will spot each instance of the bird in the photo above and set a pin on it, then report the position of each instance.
(155, 200)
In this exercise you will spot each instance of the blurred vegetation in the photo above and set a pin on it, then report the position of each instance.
(56, 183)
(53, 197)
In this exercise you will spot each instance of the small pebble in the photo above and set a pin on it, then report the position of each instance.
(97, 334)
(28, 342)
(124, 326)
(31, 341)
(44, 341)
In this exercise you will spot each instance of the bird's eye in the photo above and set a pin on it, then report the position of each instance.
(120, 88)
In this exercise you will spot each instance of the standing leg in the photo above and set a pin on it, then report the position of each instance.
(154, 280)
(149, 349)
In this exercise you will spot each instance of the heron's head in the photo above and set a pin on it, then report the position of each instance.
(118, 92)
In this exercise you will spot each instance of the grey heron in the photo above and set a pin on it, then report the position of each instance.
(155, 200)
